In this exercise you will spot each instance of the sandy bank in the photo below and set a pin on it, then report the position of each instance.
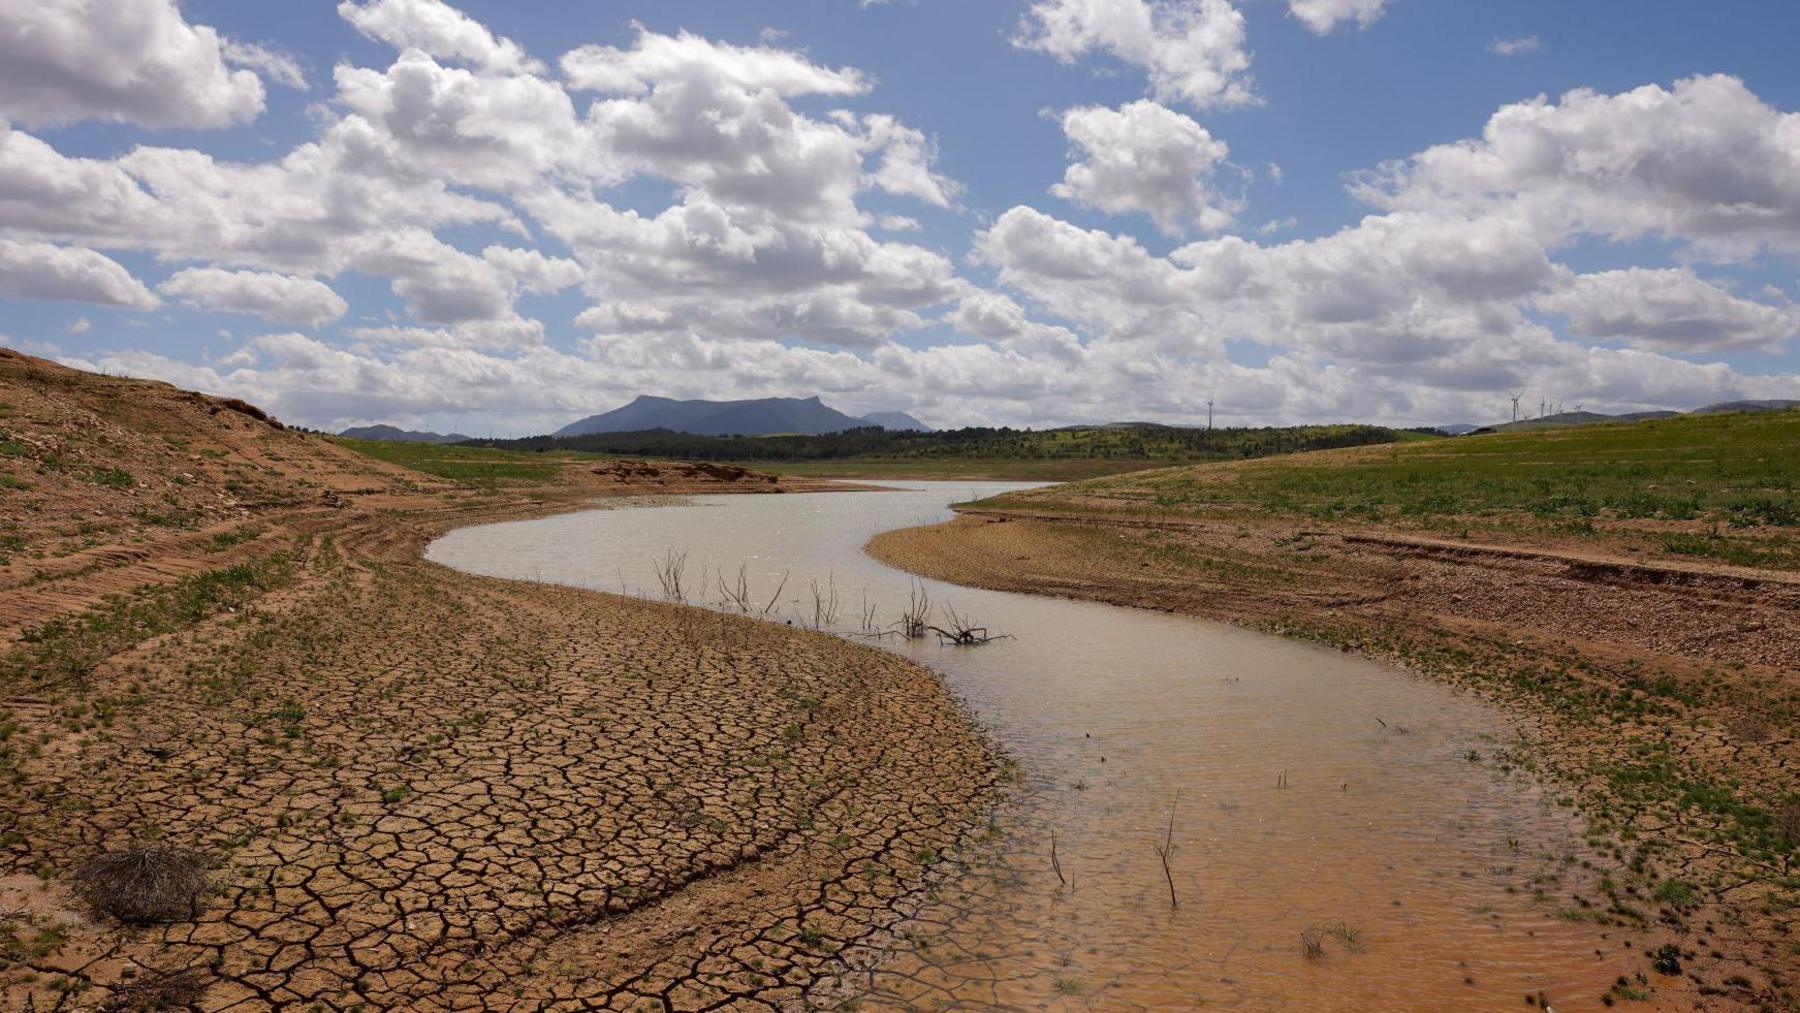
(1661, 700)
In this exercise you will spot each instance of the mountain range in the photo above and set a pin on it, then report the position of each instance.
(400, 435)
(758, 417)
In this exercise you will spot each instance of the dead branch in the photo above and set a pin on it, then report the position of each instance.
(913, 622)
(777, 595)
(825, 602)
(737, 594)
(1166, 848)
(962, 630)
(669, 570)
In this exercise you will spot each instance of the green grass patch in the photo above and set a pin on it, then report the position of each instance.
(474, 466)
(223, 540)
(1738, 474)
(112, 478)
(69, 648)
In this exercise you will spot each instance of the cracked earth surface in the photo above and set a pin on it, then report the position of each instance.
(426, 790)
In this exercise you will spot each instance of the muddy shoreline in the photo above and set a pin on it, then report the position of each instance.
(1650, 699)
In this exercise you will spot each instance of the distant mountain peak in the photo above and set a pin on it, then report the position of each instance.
(398, 435)
(899, 422)
(752, 417)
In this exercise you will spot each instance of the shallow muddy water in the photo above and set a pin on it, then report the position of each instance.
(1313, 794)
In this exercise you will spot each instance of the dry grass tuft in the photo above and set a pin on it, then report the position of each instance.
(163, 990)
(144, 884)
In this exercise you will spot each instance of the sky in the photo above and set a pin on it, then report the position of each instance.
(496, 218)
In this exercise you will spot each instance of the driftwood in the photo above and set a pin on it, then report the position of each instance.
(962, 630)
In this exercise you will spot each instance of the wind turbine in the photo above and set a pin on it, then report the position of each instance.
(1515, 401)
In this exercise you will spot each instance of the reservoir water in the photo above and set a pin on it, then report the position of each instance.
(1337, 832)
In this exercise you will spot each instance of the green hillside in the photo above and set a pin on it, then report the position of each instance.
(1721, 486)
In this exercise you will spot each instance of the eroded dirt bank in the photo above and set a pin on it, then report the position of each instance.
(414, 788)
(1660, 698)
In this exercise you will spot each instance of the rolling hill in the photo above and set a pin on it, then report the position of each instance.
(398, 435)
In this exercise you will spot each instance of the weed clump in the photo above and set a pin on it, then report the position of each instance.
(144, 884)
(164, 990)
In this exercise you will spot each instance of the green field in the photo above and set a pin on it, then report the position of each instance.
(1719, 486)
(476, 466)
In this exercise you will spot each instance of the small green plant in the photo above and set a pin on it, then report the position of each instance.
(1675, 892)
(115, 478)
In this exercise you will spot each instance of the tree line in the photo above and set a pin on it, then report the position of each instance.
(1124, 442)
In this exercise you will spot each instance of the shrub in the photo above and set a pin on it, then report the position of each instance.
(144, 884)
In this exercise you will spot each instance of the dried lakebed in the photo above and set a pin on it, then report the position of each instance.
(1336, 832)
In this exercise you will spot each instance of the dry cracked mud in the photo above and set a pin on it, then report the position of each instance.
(418, 789)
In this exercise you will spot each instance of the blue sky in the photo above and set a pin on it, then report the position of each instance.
(1229, 230)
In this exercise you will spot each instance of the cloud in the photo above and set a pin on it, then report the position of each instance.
(532, 271)
(729, 220)
(498, 131)
(657, 59)
(278, 298)
(714, 119)
(765, 239)
(277, 66)
(307, 212)
(1192, 50)
(80, 326)
(47, 271)
(1670, 310)
(1515, 47)
(1145, 157)
(905, 159)
(1323, 15)
(138, 61)
(1705, 163)
(434, 28)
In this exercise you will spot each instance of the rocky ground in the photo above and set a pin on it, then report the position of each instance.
(408, 788)
(1664, 698)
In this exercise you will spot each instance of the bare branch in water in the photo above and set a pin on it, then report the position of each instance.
(669, 570)
(777, 595)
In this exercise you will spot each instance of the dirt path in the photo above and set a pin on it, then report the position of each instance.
(419, 789)
(1664, 698)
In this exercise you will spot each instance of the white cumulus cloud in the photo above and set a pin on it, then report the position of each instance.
(278, 298)
(1323, 15)
(1192, 50)
(1705, 162)
(1670, 309)
(48, 271)
(1148, 158)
